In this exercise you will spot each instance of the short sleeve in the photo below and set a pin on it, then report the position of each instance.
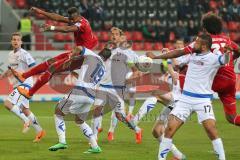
(29, 59)
(218, 59)
(183, 60)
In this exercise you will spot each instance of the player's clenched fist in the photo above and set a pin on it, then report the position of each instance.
(36, 10)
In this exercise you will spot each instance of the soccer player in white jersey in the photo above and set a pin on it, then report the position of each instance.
(21, 60)
(80, 99)
(197, 94)
(111, 90)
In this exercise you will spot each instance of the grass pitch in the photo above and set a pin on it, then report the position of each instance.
(190, 139)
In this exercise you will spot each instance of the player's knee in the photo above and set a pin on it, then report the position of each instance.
(7, 105)
(155, 133)
(97, 111)
(78, 120)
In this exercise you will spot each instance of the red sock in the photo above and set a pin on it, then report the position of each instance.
(36, 70)
(237, 120)
(43, 79)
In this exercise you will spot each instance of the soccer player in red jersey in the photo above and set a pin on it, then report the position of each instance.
(225, 79)
(83, 36)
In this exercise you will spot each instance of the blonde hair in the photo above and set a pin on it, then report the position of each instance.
(17, 34)
(117, 29)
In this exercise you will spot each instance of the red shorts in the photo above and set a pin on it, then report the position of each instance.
(226, 89)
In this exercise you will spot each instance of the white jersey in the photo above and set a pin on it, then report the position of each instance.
(202, 69)
(91, 71)
(118, 66)
(21, 61)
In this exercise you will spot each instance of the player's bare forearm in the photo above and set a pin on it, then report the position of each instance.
(169, 55)
(59, 28)
(52, 16)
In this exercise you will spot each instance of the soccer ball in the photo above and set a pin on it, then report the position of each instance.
(144, 64)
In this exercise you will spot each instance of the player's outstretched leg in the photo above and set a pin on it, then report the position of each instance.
(113, 124)
(131, 106)
(121, 116)
(44, 78)
(146, 107)
(40, 68)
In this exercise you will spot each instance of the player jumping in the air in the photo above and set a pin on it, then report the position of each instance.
(196, 96)
(83, 36)
(21, 60)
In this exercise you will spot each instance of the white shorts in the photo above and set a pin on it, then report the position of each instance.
(183, 111)
(77, 102)
(111, 96)
(17, 99)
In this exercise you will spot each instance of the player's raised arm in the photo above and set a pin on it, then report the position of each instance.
(47, 27)
(52, 16)
(169, 55)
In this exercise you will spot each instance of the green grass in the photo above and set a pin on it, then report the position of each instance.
(191, 139)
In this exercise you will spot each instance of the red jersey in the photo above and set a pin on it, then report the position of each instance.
(84, 35)
(218, 42)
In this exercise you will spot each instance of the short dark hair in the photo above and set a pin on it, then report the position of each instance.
(105, 53)
(207, 39)
(212, 23)
(72, 10)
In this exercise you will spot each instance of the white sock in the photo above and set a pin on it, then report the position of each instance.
(146, 107)
(164, 148)
(218, 148)
(60, 128)
(95, 125)
(131, 105)
(87, 131)
(15, 109)
(100, 121)
(35, 123)
(176, 153)
(113, 122)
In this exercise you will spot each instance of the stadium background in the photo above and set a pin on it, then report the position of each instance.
(131, 16)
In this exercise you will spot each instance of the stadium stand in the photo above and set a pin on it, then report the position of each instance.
(130, 15)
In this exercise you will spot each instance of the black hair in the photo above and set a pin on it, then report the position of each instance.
(212, 23)
(72, 10)
(105, 53)
(207, 39)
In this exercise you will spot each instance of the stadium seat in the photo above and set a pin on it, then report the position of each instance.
(104, 36)
(233, 26)
(157, 46)
(128, 35)
(169, 45)
(137, 46)
(50, 47)
(59, 37)
(21, 4)
(171, 36)
(68, 37)
(67, 46)
(137, 36)
(147, 46)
